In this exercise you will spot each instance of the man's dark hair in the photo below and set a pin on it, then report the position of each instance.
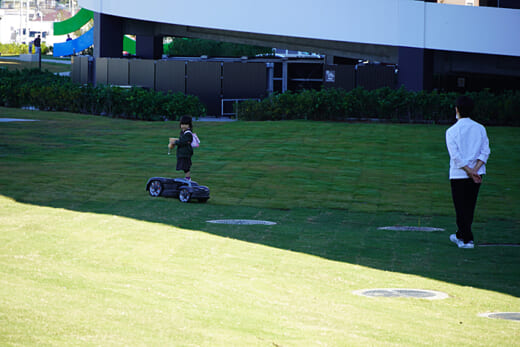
(465, 106)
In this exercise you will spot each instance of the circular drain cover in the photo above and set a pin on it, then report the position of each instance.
(402, 293)
(241, 222)
(409, 228)
(503, 315)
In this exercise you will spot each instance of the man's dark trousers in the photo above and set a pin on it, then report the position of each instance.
(464, 193)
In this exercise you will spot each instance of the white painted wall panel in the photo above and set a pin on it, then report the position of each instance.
(473, 29)
(343, 20)
(410, 23)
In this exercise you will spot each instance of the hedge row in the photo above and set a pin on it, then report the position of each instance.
(387, 104)
(49, 92)
(17, 49)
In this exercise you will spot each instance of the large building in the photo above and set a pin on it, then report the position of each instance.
(434, 45)
(22, 20)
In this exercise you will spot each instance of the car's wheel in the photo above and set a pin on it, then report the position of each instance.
(155, 189)
(184, 195)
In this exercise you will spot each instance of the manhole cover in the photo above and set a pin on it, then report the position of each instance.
(17, 120)
(410, 228)
(241, 222)
(503, 315)
(485, 244)
(402, 293)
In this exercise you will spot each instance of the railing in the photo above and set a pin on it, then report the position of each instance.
(235, 112)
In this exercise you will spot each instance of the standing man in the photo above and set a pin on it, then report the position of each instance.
(37, 44)
(468, 146)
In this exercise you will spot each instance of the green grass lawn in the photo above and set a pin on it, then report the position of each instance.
(56, 67)
(88, 258)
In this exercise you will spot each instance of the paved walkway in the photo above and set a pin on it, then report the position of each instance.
(214, 119)
(56, 61)
(200, 119)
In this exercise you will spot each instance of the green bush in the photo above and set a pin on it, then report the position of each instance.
(49, 92)
(12, 49)
(17, 49)
(387, 104)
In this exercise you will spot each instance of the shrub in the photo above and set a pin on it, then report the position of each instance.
(50, 92)
(398, 105)
(17, 49)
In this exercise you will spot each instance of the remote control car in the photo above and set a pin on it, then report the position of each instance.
(181, 188)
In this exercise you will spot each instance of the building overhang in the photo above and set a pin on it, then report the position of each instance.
(373, 28)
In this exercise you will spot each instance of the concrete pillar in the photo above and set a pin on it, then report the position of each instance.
(285, 75)
(149, 47)
(415, 68)
(108, 36)
(270, 77)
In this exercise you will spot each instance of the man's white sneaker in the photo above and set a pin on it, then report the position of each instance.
(455, 240)
(469, 244)
(460, 243)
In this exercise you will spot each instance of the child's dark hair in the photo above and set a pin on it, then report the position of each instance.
(186, 120)
(465, 106)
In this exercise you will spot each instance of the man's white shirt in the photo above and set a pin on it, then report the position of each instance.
(467, 142)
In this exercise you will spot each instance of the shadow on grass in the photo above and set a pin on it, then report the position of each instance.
(344, 236)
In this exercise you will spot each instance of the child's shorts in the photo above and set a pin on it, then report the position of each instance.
(183, 164)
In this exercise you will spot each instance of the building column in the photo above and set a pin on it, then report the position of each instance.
(149, 47)
(415, 68)
(285, 75)
(108, 36)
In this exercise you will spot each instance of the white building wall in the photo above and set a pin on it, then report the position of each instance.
(11, 22)
(387, 22)
(473, 29)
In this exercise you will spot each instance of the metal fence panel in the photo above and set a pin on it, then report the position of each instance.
(75, 74)
(170, 75)
(118, 71)
(204, 81)
(244, 80)
(376, 76)
(345, 77)
(142, 73)
(102, 70)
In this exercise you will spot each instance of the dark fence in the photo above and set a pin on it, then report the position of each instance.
(214, 81)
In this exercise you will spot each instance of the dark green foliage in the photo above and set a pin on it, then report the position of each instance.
(388, 104)
(196, 47)
(49, 92)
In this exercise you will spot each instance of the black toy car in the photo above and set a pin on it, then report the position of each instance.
(180, 188)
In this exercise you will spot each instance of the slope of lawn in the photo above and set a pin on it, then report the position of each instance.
(88, 258)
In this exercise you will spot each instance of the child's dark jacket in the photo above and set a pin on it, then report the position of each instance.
(184, 149)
